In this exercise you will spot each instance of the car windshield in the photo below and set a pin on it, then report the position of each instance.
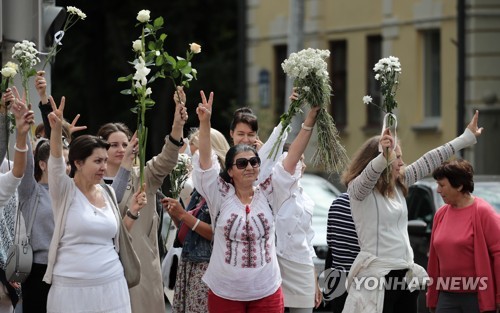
(322, 194)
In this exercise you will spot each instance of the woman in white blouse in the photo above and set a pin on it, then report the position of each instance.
(243, 274)
(83, 263)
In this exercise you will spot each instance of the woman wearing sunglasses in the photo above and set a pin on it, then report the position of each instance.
(243, 274)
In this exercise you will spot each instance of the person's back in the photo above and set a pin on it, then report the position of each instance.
(343, 245)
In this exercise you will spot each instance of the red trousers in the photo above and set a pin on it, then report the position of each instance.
(270, 304)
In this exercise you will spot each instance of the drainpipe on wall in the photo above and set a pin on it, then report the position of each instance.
(461, 67)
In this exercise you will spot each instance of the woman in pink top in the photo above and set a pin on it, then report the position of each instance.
(464, 258)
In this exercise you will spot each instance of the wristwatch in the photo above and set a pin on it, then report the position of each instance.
(178, 143)
(132, 216)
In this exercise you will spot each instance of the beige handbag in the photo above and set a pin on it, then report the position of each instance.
(130, 261)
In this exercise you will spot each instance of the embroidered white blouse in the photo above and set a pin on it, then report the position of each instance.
(243, 265)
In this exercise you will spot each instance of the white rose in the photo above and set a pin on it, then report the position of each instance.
(137, 45)
(12, 65)
(8, 72)
(195, 48)
(143, 16)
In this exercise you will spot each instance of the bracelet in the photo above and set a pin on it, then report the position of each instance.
(20, 150)
(308, 128)
(132, 216)
(196, 224)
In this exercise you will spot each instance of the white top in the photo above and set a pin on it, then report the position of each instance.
(8, 186)
(243, 265)
(64, 195)
(88, 232)
(294, 233)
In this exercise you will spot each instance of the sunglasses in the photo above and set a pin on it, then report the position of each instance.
(243, 163)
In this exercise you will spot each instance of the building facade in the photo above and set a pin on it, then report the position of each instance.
(421, 33)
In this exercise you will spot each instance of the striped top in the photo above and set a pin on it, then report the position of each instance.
(341, 234)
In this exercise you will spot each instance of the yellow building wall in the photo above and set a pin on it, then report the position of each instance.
(353, 21)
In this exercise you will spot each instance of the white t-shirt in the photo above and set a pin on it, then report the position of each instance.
(89, 232)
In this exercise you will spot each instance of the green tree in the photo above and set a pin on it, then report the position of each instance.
(96, 52)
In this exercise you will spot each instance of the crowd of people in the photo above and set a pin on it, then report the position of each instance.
(243, 220)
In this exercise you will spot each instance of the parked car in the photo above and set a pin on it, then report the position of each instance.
(423, 201)
(322, 192)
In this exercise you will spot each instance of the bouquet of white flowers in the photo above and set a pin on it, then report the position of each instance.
(312, 82)
(25, 54)
(387, 71)
(179, 175)
(178, 178)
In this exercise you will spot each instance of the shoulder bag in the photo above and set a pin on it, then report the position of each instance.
(20, 254)
(129, 259)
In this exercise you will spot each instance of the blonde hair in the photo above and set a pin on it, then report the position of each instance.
(365, 154)
(220, 146)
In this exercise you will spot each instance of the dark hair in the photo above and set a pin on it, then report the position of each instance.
(458, 172)
(245, 115)
(230, 155)
(366, 153)
(107, 129)
(42, 153)
(82, 147)
(40, 131)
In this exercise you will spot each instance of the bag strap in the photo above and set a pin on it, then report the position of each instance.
(32, 218)
(110, 194)
(17, 234)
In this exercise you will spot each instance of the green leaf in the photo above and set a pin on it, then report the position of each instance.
(158, 22)
(125, 78)
(149, 102)
(186, 70)
(181, 64)
(126, 92)
(171, 61)
(151, 45)
(176, 74)
(159, 60)
(163, 37)
(134, 110)
(32, 72)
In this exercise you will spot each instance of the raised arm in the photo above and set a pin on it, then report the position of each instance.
(162, 164)
(4, 128)
(299, 144)
(204, 111)
(24, 119)
(56, 120)
(432, 159)
(44, 105)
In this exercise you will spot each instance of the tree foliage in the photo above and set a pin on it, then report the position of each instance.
(97, 52)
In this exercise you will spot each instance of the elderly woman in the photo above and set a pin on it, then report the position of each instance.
(464, 244)
(243, 274)
(84, 268)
